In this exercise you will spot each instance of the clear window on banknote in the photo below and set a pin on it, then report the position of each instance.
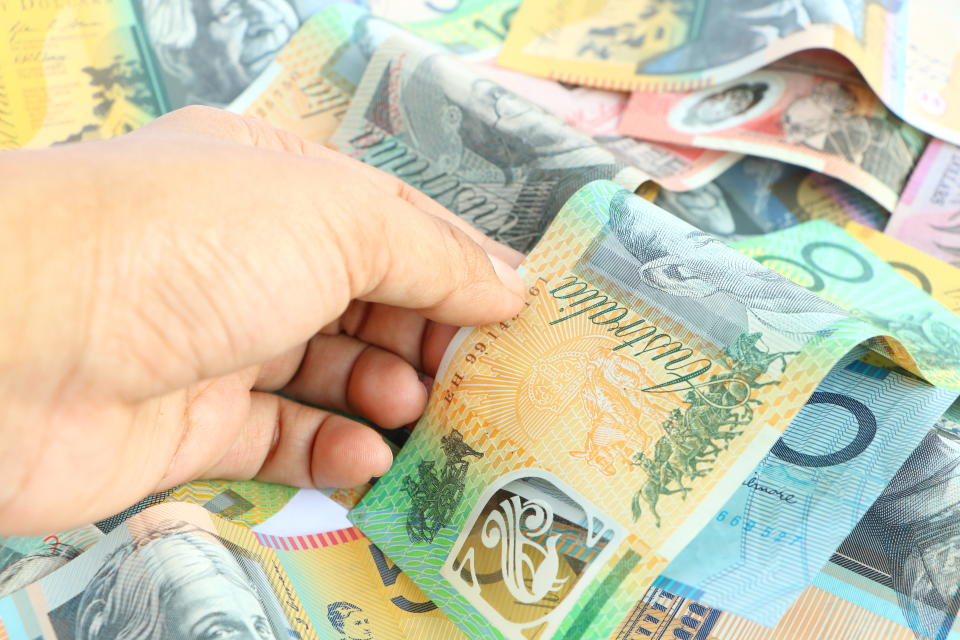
(531, 545)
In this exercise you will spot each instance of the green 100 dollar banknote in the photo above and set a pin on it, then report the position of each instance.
(568, 455)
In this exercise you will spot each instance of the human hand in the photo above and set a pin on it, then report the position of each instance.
(163, 288)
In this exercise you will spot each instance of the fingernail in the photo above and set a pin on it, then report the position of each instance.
(507, 275)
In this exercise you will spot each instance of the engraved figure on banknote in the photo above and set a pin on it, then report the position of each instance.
(912, 534)
(30, 568)
(171, 578)
(349, 621)
(468, 125)
(210, 50)
(435, 493)
(721, 106)
(694, 276)
(828, 119)
(622, 419)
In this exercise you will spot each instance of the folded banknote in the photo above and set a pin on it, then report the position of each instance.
(569, 455)
(500, 162)
(759, 195)
(811, 111)
(907, 51)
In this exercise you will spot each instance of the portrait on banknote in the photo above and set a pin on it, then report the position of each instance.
(210, 50)
(453, 115)
(349, 621)
(31, 567)
(829, 119)
(472, 129)
(910, 537)
(728, 105)
(173, 580)
(705, 208)
(723, 293)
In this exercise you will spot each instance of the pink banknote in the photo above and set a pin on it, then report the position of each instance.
(928, 215)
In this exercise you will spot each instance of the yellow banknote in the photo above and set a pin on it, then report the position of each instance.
(306, 90)
(350, 589)
(172, 567)
(907, 51)
(592, 437)
(73, 71)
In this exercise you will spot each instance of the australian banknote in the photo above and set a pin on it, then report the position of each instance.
(568, 455)
(73, 71)
(826, 121)
(78, 71)
(493, 158)
(597, 113)
(759, 195)
(889, 577)
(462, 26)
(172, 571)
(905, 50)
(768, 541)
(928, 213)
(267, 509)
(307, 88)
(177, 571)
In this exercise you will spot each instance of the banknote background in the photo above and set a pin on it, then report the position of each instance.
(828, 164)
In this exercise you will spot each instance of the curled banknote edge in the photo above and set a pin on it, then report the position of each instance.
(267, 508)
(811, 110)
(500, 162)
(175, 566)
(906, 50)
(758, 195)
(568, 455)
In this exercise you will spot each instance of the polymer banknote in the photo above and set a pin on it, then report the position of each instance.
(306, 90)
(769, 540)
(906, 50)
(662, 365)
(78, 71)
(177, 571)
(73, 71)
(759, 195)
(500, 162)
(597, 113)
(825, 121)
(265, 508)
(889, 578)
(928, 213)
(171, 571)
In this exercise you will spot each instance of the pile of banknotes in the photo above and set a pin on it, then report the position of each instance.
(729, 407)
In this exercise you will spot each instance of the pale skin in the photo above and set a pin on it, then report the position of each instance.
(163, 289)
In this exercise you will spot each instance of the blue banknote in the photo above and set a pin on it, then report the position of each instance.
(769, 541)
